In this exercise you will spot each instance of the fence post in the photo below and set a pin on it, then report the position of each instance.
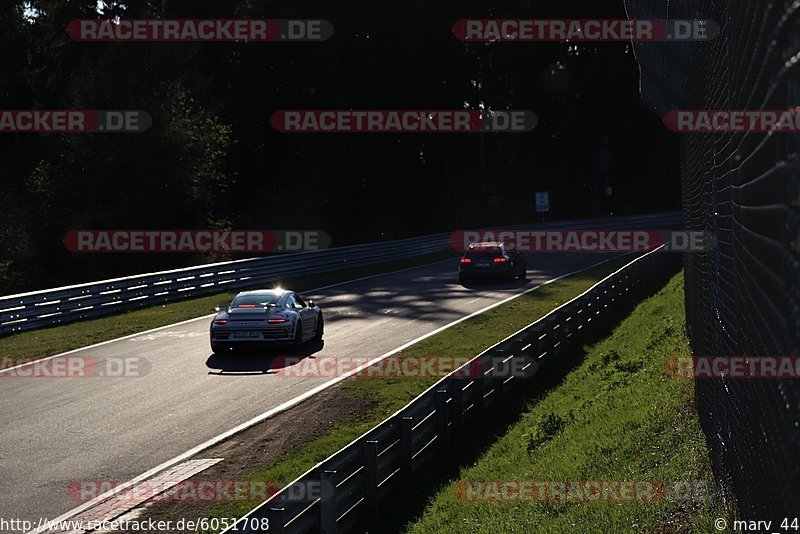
(406, 451)
(370, 455)
(440, 401)
(327, 504)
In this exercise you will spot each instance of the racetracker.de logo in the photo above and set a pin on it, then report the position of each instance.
(73, 366)
(395, 366)
(734, 367)
(165, 490)
(74, 121)
(221, 241)
(535, 30)
(610, 491)
(733, 121)
(403, 121)
(620, 240)
(192, 30)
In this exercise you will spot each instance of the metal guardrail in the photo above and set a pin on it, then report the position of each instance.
(354, 482)
(51, 307)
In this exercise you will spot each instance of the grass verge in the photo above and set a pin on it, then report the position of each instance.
(387, 395)
(48, 341)
(616, 416)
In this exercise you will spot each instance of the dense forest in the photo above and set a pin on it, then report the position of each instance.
(212, 160)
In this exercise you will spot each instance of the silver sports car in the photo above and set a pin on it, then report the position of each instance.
(269, 316)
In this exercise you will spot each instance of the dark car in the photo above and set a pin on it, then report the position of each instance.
(266, 317)
(491, 260)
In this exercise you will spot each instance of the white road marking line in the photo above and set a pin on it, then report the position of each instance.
(124, 502)
(300, 398)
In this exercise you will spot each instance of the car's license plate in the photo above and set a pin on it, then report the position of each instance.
(481, 265)
(248, 334)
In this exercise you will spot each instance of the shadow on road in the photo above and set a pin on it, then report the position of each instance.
(496, 283)
(255, 361)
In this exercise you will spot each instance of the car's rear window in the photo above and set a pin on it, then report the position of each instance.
(264, 299)
(487, 253)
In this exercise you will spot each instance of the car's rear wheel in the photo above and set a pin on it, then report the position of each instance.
(463, 279)
(298, 336)
(320, 331)
(218, 348)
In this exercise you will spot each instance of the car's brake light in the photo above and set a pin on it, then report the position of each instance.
(246, 306)
(220, 321)
(276, 321)
(466, 260)
(500, 260)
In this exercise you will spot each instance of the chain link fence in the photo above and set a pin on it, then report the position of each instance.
(744, 298)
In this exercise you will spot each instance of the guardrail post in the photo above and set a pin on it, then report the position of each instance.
(556, 334)
(497, 391)
(630, 286)
(406, 451)
(569, 330)
(604, 301)
(327, 504)
(549, 336)
(458, 409)
(498, 355)
(480, 390)
(613, 290)
(370, 455)
(276, 520)
(497, 375)
(536, 343)
(580, 314)
(597, 304)
(442, 434)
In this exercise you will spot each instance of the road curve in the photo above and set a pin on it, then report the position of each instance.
(56, 431)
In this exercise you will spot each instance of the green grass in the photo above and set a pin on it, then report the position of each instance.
(616, 416)
(473, 336)
(48, 341)
(388, 395)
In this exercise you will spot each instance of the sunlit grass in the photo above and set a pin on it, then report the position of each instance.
(617, 416)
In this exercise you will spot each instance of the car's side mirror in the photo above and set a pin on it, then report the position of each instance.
(310, 303)
(216, 308)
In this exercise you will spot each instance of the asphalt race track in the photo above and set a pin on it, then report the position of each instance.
(54, 431)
